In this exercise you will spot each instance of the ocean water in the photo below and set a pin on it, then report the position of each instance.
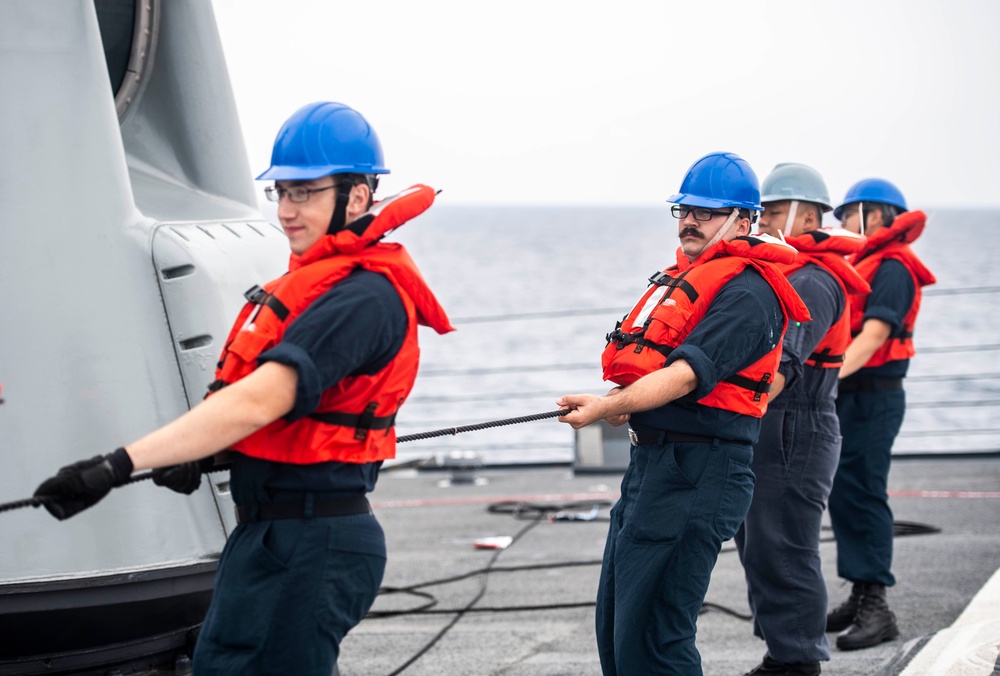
(533, 291)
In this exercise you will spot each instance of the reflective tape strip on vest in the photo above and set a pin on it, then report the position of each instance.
(884, 244)
(354, 421)
(826, 249)
(675, 303)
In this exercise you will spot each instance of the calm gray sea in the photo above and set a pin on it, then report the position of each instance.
(533, 291)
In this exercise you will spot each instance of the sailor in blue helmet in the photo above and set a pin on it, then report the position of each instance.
(871, 404)
(306, 393)
(693, 362)
(796, 457)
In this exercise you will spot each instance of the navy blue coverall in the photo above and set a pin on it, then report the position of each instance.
(871, 404)
(794, 463)
(288, 590)
(681, 499)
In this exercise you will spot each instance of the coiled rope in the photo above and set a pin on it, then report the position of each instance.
(447, 431)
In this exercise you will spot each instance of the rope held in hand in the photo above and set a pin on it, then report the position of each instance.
(448, 431)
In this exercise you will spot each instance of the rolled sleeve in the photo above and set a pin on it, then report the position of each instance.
(704, 369)
(308, 387)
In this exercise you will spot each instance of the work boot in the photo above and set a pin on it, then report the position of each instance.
(841, 617)
(873, 624)
(769, 666)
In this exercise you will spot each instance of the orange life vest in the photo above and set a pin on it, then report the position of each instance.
(893, 242)
(354, 421)
(827, 248)
(677, 300)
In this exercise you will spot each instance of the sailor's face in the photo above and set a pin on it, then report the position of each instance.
(695, 234)
(774, 219)
(305, 222)
(851, 219)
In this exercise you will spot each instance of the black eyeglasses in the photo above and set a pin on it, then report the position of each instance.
(296, 194)
(699, 213)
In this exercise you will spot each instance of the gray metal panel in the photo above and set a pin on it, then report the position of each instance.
(203, 270)
(87, 359)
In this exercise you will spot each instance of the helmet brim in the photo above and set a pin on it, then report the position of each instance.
(698, 201)
(297, 173)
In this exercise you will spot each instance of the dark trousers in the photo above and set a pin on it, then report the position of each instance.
(859, 503)
(286, 593)
(679, 503)
(794, 463)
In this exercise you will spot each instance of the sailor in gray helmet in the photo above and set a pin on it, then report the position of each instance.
(796, 457)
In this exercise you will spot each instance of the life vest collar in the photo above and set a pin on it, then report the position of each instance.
(759, 246)
(384, 217)
(905, 229)
(827, 248)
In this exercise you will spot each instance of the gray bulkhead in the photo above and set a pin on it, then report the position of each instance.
(128, 234)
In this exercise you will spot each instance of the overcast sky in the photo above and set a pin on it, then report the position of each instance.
(586, 102)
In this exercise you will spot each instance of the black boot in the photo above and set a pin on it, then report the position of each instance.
(841, 617)
(769, 666)
(873, 624)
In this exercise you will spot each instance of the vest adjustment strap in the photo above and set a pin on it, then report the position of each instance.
(361, 422)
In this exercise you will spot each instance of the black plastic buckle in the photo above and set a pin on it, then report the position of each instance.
(255, 294)
(365, 421)
(763, 387)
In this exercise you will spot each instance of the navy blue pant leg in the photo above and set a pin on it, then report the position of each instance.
(794, 464)
(859, 503)
(286, 593)
(679, 503)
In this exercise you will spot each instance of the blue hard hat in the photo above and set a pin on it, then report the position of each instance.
(720, 180)
(321, 139)
(872, 190)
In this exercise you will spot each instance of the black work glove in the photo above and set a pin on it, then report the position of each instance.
(81, 485)
(183, 478)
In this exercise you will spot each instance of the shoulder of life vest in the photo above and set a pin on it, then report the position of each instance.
(670, 309)
(828, 249)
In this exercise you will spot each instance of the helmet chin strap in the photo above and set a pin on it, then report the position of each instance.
(339, 218)
(722, 231)
(790, 221)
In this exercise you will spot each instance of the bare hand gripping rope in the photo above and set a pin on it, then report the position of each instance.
(447, 431)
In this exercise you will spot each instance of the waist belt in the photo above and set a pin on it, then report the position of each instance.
(302, 509)
(870, 385)
(639, 437)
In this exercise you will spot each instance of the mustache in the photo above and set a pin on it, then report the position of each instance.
(692, 232)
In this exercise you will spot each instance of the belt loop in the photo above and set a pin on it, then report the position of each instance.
(715, 444)
(308, 503)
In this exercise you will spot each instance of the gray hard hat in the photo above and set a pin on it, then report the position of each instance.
(792, 181)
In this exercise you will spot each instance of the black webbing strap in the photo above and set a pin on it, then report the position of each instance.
(758, 387)
(259, 296)
(825, 357)
(361, 422)
(662, 279)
